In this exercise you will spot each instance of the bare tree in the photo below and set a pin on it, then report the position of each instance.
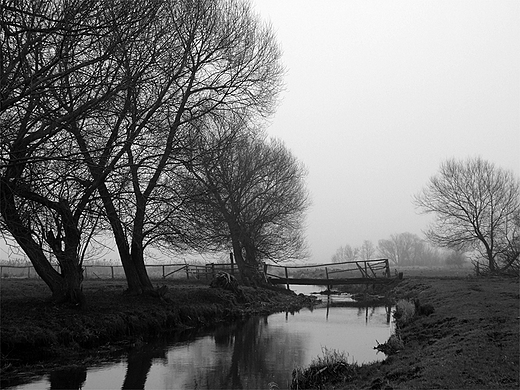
(367, 250)
(407, 249)
(111, 93)
(212, 59)
(250, 194)
(345, 253)
(476, 205)
(56, 71)
(400, 248)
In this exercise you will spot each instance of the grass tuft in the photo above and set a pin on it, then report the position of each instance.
(333, 367)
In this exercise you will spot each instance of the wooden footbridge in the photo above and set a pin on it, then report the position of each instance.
(332, 274)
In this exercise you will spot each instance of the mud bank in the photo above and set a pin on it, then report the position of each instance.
(36, 335)
(470, 341)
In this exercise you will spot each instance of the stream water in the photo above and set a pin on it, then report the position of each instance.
(253, 354)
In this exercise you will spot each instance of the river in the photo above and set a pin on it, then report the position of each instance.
(254, 354)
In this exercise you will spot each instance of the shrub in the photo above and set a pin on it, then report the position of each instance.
(404, 311)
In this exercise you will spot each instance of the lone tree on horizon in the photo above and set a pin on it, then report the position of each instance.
(477, 206)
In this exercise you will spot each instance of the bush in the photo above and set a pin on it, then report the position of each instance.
(404, 312)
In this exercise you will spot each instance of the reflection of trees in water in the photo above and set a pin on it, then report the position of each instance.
(70, 378)
(250, 353)
(139, 362)
(368, 312)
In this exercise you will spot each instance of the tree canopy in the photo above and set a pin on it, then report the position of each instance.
(98, 101)
(250, 194)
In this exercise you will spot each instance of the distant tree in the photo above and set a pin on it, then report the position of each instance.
(476, 205)
(399, 248)
(367, 250)
(345, 253)
(455, 259)
(249, 194)
(408, 249)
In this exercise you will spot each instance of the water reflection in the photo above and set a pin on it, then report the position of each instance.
(139, 362)
(246, 355)
(72, 378)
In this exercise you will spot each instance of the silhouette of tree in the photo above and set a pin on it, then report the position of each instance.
(345, 253)
(250, 194)
(58, 71)
(476, 205)
(97, 99)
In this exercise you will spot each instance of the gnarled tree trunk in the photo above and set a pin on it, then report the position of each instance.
(66, 287)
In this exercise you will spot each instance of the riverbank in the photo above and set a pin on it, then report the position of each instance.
(36, 335)
(470, 341)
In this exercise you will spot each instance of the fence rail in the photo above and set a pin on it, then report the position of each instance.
(155, 271)
(349, 272)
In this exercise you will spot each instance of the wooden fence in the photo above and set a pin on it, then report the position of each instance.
(353, 272)
(155, 271)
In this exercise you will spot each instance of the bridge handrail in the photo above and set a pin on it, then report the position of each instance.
(327, 264)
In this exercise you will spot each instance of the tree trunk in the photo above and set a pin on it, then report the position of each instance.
(132, 274)
(250, 273)
(137, 245)
(70, 288)
(145, 283)
(65, 287)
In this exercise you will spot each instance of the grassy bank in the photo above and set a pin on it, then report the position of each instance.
(35, 334)
(470, 341)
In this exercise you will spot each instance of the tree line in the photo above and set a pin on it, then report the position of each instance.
(402, 249)
(142, 119)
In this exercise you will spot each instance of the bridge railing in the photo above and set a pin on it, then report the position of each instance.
(358, 269)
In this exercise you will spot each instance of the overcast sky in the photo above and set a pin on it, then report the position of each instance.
(379, 93)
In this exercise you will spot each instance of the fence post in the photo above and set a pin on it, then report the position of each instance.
(287, 278)
(232, 263)
(327, 276)
(163, 271)
(387, 265)
(187, 272)
(112, 271)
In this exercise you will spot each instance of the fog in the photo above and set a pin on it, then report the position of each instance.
(379, 93)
